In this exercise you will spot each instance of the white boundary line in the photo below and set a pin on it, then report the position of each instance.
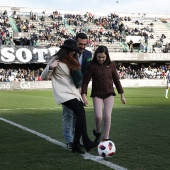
(43, 108)
(86, 155)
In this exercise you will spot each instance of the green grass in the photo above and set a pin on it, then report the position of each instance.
(140, 129)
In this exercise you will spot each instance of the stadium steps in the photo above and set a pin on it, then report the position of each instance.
(160, 28)
(13, 25)
(69, 28)
(116, 46)
(125, 46)
(167, 25)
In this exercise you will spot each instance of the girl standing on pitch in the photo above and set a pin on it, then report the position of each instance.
(103, 74)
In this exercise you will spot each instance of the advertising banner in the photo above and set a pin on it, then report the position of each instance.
(27, 55)
(30, 85)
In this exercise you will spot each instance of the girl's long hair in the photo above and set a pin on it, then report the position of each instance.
(70, 60)
(102, 49)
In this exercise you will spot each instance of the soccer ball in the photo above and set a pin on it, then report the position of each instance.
(106, 149)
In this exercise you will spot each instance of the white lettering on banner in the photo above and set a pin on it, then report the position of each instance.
(131, 56)
(157, 56)
(124, 56)
(140, 56)
(53, 50)
(5, 86)
(25, 85)
(24, 55)
(7, 55)
(142, 83)
(40, 52)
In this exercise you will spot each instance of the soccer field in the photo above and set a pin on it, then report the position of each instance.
(31, 132)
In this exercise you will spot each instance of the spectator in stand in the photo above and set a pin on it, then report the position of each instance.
(131, 46)
(163, 76)
(31, 42)
(21, 41)
(14, 15)
(25, 41)
(39, 78)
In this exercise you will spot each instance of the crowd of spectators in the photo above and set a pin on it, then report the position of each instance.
(5, 37)
(20, 74)
(27, 74)
(143, 72)
(51, 29)
(42, 28)
(113, 28)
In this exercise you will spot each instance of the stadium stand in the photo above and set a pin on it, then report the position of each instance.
(111, 30)
(145, 58)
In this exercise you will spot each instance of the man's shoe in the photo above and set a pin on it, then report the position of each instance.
(69, 145)
(166, 97)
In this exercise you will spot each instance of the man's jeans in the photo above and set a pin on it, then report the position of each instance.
(68, 121)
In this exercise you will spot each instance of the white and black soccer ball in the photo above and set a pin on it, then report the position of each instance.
(106, 149)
